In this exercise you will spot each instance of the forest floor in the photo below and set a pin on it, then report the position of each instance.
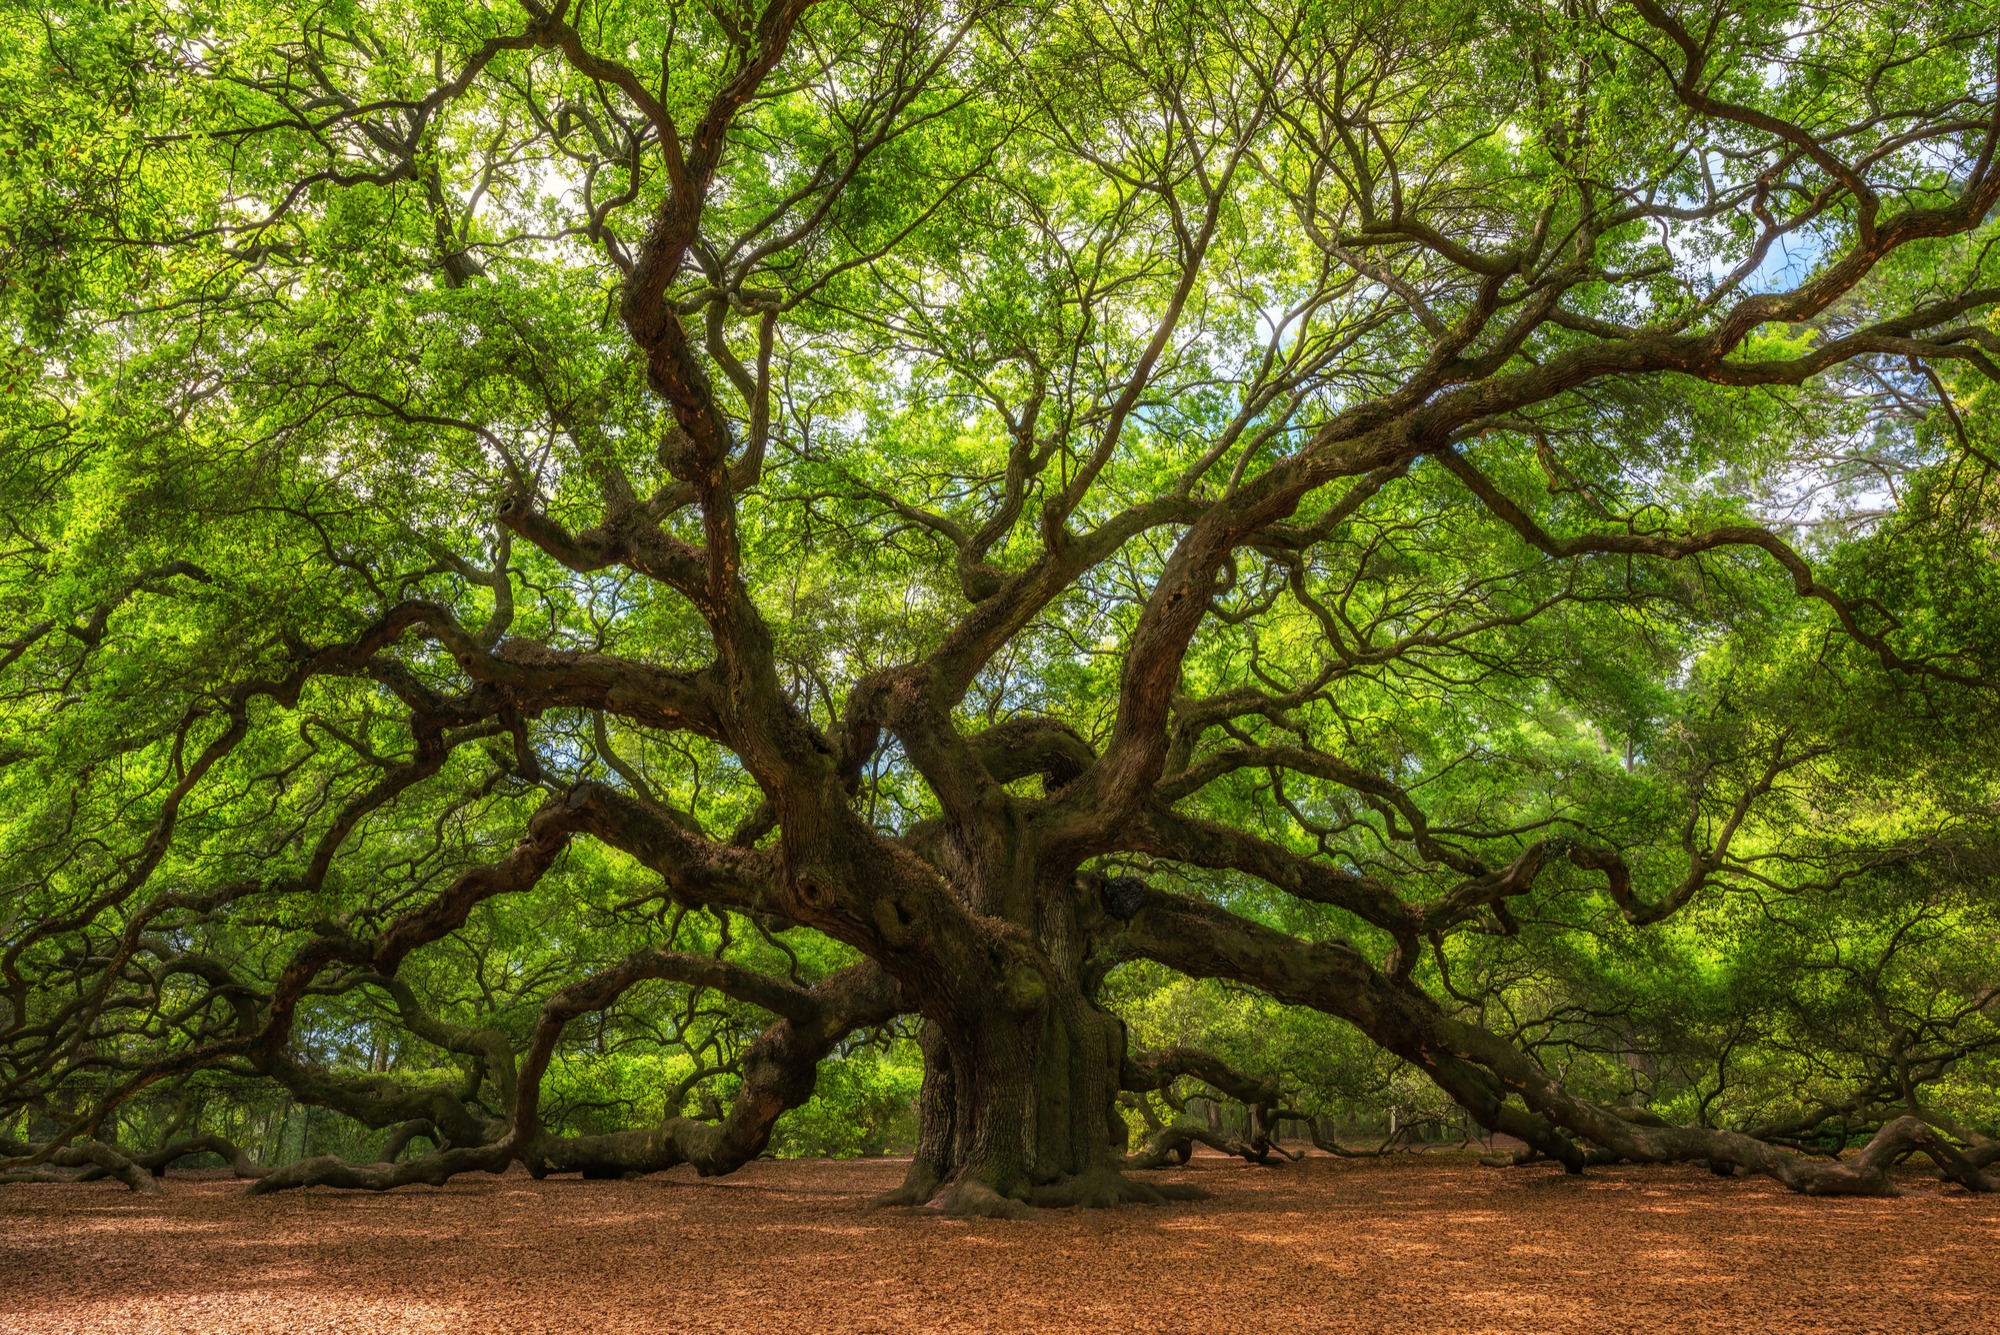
(1409, 1244)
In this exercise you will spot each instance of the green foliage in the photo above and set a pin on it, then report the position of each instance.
(864, 1103)
(294, 313)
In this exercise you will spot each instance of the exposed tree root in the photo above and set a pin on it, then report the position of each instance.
(1107, 1187)
(95, 1157)
(431, 1170)
(969, 1198)
(919, 1186)
(1171, 1145)
(1726, 1153)
(1866, 1173)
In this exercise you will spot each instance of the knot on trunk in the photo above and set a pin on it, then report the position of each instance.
(1123, 896)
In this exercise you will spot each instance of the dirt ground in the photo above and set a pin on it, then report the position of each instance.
(1410, 1245)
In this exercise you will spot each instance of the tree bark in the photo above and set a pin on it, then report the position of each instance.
(1022, 1072)
(1019, 1109)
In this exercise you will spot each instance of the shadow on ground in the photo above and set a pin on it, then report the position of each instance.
(1410, 1245)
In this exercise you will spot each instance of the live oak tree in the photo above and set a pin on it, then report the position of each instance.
(867, 510)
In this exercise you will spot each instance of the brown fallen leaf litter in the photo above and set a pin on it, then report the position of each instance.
(1410, 1245)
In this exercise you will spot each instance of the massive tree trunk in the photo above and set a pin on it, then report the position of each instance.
(1021, 1066)
(1019, 1108)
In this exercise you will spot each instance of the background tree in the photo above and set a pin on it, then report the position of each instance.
(905, 520)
